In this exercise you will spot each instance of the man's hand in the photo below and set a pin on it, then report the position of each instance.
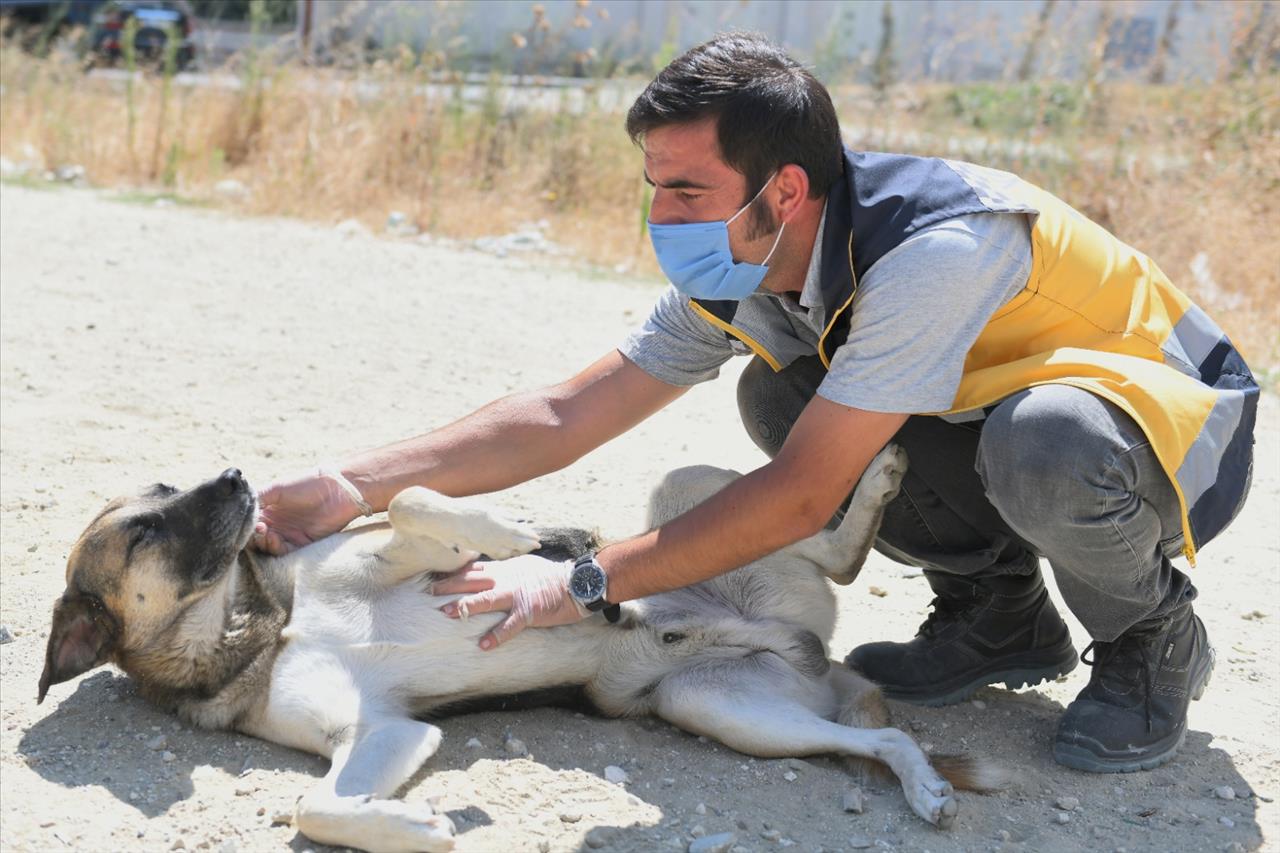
(298, 511)
(534, 590)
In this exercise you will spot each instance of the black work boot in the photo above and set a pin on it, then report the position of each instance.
(981, 631)
(1133, 713)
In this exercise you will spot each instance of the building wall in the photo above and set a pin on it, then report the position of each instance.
(933, 39)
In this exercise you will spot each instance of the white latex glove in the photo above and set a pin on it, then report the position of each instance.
(534, 591)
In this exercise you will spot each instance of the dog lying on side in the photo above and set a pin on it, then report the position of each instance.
(340, 648)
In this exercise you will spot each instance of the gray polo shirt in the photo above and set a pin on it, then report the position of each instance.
(915, 315)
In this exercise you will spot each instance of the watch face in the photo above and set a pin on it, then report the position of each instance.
(587, 582)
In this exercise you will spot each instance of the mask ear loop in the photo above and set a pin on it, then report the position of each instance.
(783, 227)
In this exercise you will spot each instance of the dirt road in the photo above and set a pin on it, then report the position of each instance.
(143, 344)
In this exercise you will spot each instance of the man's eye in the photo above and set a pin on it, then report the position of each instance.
(688, 196)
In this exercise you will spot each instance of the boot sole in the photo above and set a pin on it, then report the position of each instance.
(1081, 758)
(1014, 675)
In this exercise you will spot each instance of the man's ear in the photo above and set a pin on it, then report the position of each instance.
(83, 636)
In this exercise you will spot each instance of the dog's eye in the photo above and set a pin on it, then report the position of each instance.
(672, 637)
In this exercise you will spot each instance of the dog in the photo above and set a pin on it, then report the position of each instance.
(341, 649)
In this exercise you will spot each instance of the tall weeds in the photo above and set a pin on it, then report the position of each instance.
(1188, 173)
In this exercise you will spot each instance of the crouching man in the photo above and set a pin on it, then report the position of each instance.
(1057, 396)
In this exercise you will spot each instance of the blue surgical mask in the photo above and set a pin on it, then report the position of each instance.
(695, 257)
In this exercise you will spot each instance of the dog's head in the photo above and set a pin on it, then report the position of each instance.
(141, 564)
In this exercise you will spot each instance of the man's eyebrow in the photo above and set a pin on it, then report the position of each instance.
(677, 184)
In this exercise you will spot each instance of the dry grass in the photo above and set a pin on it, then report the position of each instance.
(1179, 172)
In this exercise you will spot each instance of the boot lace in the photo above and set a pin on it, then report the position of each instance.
(1121, 661)
(946, 611)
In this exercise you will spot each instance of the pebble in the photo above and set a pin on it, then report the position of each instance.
(700, 808)
(544, 846)
(1227, 822)
(474, 743)
(917, 725)
(771, 835)
(167, 756)
(616, 774)
(158, 742)
(1253, 614)
(282, 818)
(1067, 804)
(719, 843)
(1224, 792)
(878, 592)
(1004, 835)
(698, 831)
(854, 801)
(860, 842)
(180, 844)
(979, 704)
(1062, 817)
(515, 746)
(570, 817)
(786, 842)
(790, 776)
(6, 636)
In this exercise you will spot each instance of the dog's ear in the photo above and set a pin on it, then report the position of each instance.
(83, 636)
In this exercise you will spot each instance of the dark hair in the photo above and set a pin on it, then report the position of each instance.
(769, 110)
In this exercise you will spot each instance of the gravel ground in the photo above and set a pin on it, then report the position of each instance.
(144, 344)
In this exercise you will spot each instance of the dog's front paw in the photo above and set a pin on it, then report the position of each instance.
(500, 539)
(930, 796)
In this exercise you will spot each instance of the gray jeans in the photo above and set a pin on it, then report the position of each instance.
(1053, 472)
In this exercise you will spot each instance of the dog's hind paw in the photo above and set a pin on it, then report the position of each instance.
(932, 799)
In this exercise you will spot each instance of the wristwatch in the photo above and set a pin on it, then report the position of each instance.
(589, 585)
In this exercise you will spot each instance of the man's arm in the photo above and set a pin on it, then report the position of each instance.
(788, 499)
(504, 443)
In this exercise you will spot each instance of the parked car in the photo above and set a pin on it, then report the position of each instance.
(34, 24)
(156, 21)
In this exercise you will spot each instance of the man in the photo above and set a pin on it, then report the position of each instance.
(1055, 394)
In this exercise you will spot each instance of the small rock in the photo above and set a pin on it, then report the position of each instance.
(474, 743)
(544, 846)
(854, 801)
(700, 808)
(570, 817)
(282, 818)
(158, 742)
(6, 636)
(667, 782)
(1253, 614)
(719, 843)
(1004, 835)
(790, 776)
(860, 842)
(515, 747)
(350, 228)
(167, 756)
(917, 725)
(771, 835)
(1067, 804)
(231, 189)
(1224, 792)
(913, 572)
(1062, 817)
(1227, 822)
(979, 704)
(698, 831)
(878, 592)
(242, 791)
(786, 842)
(616, 774)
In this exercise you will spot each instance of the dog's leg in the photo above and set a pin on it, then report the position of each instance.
(755, 717)
(347, 808)
(860, 705)
(840, 553)
(433, 532)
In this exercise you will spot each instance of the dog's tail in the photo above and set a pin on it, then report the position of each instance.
(968, 773)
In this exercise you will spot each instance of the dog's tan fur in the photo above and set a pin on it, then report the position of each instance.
(336, 648)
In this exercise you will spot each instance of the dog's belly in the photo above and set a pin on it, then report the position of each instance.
(398, 655)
